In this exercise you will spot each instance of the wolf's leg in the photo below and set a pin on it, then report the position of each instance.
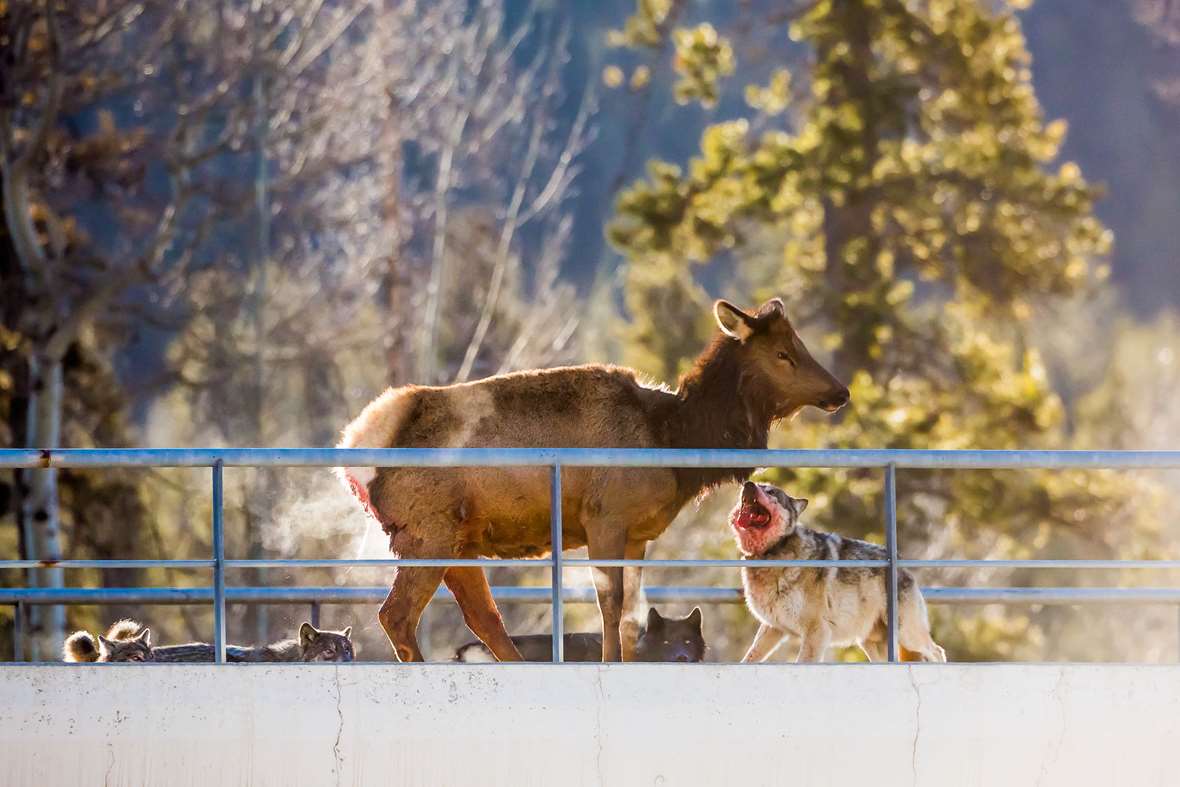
(606, 543)
(470, 586)
(875, 649)
(920, 642)
(914, 625)
(816, 639)
(632, 594)
(765, 643)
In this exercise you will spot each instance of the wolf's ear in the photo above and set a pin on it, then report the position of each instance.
(307, 634)
(733, 321)
(106, 643)
(347, 633)
(694, 617)
(144, 637)
(800, 505)
(655, 620)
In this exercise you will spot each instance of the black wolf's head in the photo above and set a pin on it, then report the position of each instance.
(671, 639)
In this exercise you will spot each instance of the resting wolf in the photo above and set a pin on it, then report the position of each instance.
(128, 641)
(663, 639)
(819, 606)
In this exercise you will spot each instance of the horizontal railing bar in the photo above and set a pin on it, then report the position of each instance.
(488, 562)
(584, 563)
(724, 563)
(585, 457)
(543, 595)
(1062, 563)
(106, 564)
(1051, 595)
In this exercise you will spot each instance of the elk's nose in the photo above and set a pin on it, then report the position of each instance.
(681, 658)
(836, 400)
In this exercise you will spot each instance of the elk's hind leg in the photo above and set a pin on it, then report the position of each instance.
(470, 586)
(399, 614)
(632, 598)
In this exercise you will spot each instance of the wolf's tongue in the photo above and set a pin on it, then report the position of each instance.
(748, 516)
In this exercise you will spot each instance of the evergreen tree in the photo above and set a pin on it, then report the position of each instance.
(901, 191)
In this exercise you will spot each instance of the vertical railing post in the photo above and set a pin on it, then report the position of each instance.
(218, 565)
(18, 632)
(555, 542)
(315, 614)
(891, 549)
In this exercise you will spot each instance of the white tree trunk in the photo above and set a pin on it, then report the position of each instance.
(47, 624)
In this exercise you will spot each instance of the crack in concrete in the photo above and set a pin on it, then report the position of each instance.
(339, 730)
(917, 723)
(1056, 749)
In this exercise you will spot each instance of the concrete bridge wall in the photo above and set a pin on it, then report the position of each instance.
(445, 724)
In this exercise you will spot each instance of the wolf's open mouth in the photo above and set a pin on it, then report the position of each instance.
(752, 517)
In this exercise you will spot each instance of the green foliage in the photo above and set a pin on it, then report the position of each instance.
(912, 212)
(644, 28)
(702, 58)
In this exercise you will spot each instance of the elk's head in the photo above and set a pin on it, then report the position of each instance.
(775, 361)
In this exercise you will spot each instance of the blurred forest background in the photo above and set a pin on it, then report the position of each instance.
(234, 222)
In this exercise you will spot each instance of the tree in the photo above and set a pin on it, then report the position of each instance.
(408, 231)
(69, 277)
(901, 191)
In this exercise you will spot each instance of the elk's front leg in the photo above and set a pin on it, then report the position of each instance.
(602, 543)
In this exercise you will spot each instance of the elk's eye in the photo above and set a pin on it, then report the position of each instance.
(784, 356)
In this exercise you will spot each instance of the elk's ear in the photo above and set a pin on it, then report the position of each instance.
(307, 634)
(145, 637)
(733, 321)
(655, 621)
(800, 505)
(347, 633)
(694, 618)
(773, 308)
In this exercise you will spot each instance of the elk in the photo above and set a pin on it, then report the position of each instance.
(755, 372)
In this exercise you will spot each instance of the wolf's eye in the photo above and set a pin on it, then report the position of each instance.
(785, 356)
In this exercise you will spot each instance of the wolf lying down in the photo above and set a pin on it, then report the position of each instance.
(128, 641)
(663, 639)
(820, 606)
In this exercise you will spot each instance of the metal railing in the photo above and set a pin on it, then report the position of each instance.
(889, 460)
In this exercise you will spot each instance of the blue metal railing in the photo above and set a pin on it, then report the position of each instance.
(555, 459)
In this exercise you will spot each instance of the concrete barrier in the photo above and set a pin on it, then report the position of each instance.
(589, 725)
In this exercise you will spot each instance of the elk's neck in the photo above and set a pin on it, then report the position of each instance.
(720, 405)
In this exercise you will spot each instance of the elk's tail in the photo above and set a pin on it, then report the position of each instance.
(375, 427)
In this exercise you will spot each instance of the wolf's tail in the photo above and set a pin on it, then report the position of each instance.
(124, 629)
(80, 647)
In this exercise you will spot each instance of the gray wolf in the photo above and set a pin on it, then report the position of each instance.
(754, 372)
(663, 639)
(821, 607)
(127, 640)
